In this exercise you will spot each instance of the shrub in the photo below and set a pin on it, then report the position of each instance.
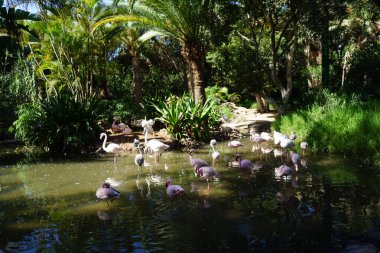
(60, 124)
(186, 119)
(340, 125)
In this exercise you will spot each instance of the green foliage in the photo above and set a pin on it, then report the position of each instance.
(60, 124)
(364, 73)
(337, 124)
(186, 119)
(221, 94)
(16, 87)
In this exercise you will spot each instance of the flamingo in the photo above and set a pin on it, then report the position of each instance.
(136, 143)
(284, 171)
(304, 145)
(127, 130)
(244, 164)
(139, 158)
(173, 190)
(147, 125)
(286, 143)
(266, 136)
(117, 127)
(206, 172)
(106, 192)
(111, 148)
(296, 159)
(215, 154)
(235, 144)
(196, 161)
(156, 147)
(292, 137)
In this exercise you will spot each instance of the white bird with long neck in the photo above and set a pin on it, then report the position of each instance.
(110, 148)
(154, 146)
(215, 153)
(234, 144)
(196, 161)
(304, 145)
(139, 158)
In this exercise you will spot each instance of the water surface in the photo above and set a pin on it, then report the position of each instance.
(51, 206)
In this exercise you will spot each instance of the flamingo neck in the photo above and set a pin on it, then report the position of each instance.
(146, 135)
(104, 142)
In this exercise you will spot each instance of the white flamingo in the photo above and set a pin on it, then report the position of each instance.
(304, 146)
(139, 158)
(235, 144)
(215, 153)
(110, 148)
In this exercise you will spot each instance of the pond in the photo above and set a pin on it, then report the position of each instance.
(52, 207)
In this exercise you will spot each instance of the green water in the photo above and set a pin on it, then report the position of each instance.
(51, 206)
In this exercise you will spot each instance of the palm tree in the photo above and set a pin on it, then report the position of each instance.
(184, 20)
(12, 27)
(67, 55)
(133, 38)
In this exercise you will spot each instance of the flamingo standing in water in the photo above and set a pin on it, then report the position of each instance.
(215, 154)
(106, 192)
(304, 146)
(139, 158)
(173, 190)
(244, 164)
(234, 144)
(296, 159)
(110, 148)
(154, 146)
(196, 161)
(284, 171)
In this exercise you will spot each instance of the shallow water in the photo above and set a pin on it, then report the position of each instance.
(51, 206)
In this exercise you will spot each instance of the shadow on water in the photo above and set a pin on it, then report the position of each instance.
(51, 205)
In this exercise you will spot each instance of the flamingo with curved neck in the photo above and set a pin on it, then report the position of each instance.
(110, 148)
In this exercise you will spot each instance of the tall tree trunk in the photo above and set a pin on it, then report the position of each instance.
(195, 57)
(260, 104)
(289, 74)
(137, 86)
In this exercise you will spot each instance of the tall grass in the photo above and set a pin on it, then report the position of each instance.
(338, 125)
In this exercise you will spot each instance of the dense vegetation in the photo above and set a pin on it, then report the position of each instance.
(71, 64)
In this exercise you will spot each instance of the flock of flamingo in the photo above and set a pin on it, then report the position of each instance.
(202, 169)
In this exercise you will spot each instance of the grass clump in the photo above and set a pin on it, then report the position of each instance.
(337, 124)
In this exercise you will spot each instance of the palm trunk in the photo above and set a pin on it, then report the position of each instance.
(195, 57)
(137, 86)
